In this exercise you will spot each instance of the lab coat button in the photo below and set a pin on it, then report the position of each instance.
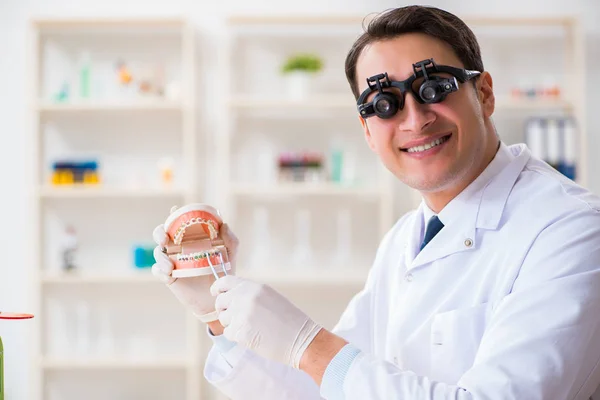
(408, 277)
(468, 242)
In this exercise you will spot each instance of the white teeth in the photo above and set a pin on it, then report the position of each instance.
(197, 256)
(193, 221)
(427, 146)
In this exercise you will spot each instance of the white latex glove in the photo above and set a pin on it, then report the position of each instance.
(261, 319)
(192, 292)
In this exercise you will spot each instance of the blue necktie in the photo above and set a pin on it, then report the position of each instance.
(433, 227)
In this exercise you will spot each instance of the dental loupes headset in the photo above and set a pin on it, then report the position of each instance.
(433, 88)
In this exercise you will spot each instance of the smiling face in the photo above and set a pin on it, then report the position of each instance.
(434, 148)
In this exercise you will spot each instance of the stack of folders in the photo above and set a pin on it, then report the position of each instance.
(554, 140)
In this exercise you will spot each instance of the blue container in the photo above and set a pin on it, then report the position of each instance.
(143, 256)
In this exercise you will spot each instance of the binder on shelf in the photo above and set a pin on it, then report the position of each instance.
(554, 140)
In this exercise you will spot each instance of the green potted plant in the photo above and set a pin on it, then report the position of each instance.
(299, 70)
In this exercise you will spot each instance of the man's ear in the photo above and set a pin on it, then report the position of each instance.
(485, 92)
(367, 132)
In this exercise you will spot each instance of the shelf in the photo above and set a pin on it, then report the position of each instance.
(109, 23)
(143, 276)
(307, 276)
(112, 363)
(359, 19)
(275, 102)
(294, 19)
(58, 192)
(525, 104)
(283, 275)
(329, 276)
(77, 126)
(296, 189)
(519, 21)
(95, 106)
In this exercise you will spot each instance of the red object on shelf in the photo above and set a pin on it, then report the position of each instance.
(12, 315)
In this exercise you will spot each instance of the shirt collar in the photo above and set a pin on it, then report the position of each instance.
(501, 159)
(455, 207)
(428, 213)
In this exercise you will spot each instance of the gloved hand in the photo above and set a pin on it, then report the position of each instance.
(193, 292)
(261, 319)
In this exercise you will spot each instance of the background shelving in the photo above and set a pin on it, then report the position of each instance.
(536, 53)
(109, 317)
(265, 122)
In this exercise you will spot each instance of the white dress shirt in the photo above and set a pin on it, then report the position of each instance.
(502, 304)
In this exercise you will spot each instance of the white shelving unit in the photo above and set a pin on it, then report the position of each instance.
(259, 109)
(108, 316)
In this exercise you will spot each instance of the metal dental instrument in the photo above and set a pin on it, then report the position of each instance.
(213, 268)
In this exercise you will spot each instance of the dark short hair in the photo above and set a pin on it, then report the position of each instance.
(431, 21)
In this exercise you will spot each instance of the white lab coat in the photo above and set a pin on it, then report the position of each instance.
(504, 303)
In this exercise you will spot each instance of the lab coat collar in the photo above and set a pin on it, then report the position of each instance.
(479, 206)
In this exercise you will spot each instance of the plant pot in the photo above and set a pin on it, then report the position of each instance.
(298, 84)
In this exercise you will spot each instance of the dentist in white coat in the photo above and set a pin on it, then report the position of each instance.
(490, 290)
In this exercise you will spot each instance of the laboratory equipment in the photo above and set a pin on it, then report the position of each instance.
(344, 238)
(261, 237)
(69, 248)
(68, 172)
(568, 165)
(554, 143)
(7, 315)
(305, 166)
(143, 256)
(302, 254)
(83, 316)
(554, 140)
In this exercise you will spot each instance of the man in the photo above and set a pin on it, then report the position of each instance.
(489, 290)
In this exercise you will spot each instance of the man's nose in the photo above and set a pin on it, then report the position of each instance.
(415, 117)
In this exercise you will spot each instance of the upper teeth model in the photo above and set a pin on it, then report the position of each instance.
(209, 223)
(426, 146)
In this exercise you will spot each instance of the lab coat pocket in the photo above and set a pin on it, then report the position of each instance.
(455, 338)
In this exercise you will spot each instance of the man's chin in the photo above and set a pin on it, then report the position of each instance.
(428, 184)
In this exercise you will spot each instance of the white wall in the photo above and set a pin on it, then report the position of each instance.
(15, 171)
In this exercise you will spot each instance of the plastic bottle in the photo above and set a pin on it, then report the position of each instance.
(534, 137)
(554, 143)
(261, 237)
(301, 256)
(69, 249)
(83, 318)
(344, 238)
(568, 165)
(84, 75)
(337, 162)
(1, 370)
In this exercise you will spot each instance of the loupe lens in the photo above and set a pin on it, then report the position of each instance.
(383, 106)
(428, 93)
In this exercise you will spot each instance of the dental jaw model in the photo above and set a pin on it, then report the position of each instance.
(194, 243)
